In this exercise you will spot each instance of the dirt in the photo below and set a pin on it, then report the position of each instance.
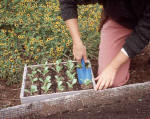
(9, 95)
(139, 70)
(54, 87)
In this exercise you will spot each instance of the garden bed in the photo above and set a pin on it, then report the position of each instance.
(140, 70)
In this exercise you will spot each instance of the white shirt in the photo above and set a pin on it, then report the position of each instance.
(123, 50)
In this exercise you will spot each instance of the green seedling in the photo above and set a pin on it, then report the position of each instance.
(46, 70)
(58, 67)
(59, 83)
(87, 82)
(32, 90)
(70, 65)
(72, 78)
(70, 85)
(33, 87)
(79, 66)
(32, 74)
(87, 65)
(70, 75)
(47, 84)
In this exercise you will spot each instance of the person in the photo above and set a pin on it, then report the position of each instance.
(125, 32)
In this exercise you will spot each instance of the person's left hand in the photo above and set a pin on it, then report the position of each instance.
(106, 78)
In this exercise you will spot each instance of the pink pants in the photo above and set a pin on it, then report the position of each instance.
(113, 37)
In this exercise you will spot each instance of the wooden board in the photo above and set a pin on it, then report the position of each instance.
(130, 102)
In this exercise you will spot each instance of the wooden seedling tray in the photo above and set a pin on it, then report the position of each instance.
(30, 99)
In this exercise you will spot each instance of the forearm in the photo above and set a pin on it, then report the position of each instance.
(72, 25)
(119, 60)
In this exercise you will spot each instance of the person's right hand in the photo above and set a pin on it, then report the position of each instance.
(79, 52)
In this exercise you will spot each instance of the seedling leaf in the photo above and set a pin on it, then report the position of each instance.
(48, 86)
(74, 81)
(26, 90)
(41, 79)
(69, 85)
(47, 80)
(35, 79)
(34, 88)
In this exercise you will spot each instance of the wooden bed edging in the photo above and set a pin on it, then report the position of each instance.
(124, 97)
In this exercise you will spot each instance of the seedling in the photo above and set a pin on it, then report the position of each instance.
(59, 83)
(87, 82)
(58, 67)
(72, 78)
(32, 90)
(47, 84)
(79, 66)
(70, 65)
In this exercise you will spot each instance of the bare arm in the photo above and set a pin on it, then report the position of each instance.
(72, 25)
(79, 49)
(70, 16)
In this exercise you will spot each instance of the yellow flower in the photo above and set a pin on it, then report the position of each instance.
(41, 41)
(49, 39)
(16, 25)
(67, 44)
(31, 42)
(13, 70)
(31, 48)
(36, 57)
(58, 49)
(51, 49)
(4, 31)
(11, 60)
(63, 41)
(23, 36)
(33, 39)
(69, 41)
(18, 57)
(27, 61)
(38, 50)
(28, 15)
(101, 6)
(19, 36)
(16, 50)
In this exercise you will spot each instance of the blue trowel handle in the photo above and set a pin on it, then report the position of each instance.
(83, 63)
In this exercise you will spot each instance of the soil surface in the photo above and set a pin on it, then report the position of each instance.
(54, 86)
(139, 70)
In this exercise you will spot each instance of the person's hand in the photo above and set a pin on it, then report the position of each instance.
(106, 78)
(79, 52)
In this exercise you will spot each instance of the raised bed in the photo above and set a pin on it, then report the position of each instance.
(30, 99)
(126, 102)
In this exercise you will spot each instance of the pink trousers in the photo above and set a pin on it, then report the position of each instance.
(112, 39)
